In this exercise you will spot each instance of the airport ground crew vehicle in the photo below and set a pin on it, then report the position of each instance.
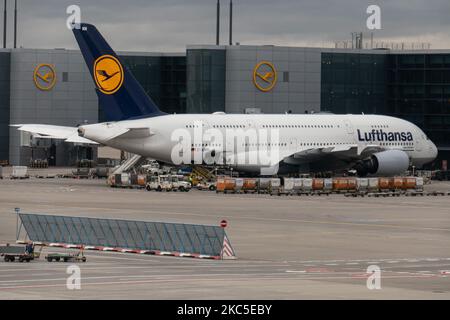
(21, 257)
(179, 184)
(211, 186)
(13, 253)
(159, 183)
(66, 257)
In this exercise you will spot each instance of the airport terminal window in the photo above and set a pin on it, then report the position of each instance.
(206, 80)
(65, 77)
(163, 79)
(426, 102)
(415, 87)
(353, 83)
(4, 105)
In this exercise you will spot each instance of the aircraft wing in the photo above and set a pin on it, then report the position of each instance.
(44, 131)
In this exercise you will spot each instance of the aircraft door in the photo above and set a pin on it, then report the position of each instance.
(418, 137)
(293, 145)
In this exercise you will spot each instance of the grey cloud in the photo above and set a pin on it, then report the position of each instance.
(168, 25)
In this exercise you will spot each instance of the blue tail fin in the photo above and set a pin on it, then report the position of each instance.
(119, 93)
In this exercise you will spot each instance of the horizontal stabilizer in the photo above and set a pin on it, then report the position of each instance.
(44, 131)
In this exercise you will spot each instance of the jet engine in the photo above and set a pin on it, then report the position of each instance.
(385, 163)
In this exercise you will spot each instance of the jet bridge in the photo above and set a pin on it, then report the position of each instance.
(128, 236)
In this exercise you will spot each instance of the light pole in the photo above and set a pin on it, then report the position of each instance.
(231, 23)
(17, 211)
(4, 25)
(218, 24)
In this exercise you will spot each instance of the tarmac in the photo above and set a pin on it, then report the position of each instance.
(296, 247)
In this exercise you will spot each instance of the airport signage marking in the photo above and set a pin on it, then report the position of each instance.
(44, 76)
(380, 135)
(264, 76)
(108, 74)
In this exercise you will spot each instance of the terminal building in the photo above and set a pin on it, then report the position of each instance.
(55, 87)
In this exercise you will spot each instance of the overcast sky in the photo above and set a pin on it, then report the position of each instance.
(168, 25)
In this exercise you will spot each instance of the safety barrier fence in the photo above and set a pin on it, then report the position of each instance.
(144, 237)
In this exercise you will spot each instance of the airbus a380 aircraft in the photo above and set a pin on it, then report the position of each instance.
(263, 143)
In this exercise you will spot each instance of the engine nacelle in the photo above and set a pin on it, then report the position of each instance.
(385, 163)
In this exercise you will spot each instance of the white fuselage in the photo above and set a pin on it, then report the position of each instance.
(154, 137)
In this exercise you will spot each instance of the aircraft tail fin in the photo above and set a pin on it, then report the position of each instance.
(120, 94)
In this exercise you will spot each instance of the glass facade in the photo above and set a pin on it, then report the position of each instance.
(353, 83)
(5, 66)
(415, 87)
(163, 79)
(206, 70)
(419, 91)
(173, 84)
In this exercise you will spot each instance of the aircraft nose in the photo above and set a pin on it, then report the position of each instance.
(434, 150)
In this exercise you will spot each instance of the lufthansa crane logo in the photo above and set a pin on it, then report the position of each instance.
(265, 76)
(108, 74)
(44, 76)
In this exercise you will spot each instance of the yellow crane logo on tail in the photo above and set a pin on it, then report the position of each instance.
(108, 74)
